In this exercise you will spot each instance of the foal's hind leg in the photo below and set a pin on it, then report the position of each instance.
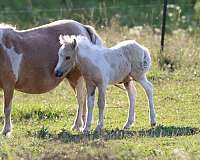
(131, 90)
(148, 87)
(80, 92)
(8, 95)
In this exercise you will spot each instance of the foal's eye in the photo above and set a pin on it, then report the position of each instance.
(67, 58)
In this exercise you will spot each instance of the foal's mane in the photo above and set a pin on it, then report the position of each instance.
(80, 40)
(83, 41)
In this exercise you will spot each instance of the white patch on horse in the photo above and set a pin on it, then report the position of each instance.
(15, 60)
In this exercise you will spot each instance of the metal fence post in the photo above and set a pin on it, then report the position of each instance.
(163, 25)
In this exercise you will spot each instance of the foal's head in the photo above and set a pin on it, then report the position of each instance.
(66, 54)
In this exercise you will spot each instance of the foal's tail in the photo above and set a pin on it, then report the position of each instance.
(94, 37)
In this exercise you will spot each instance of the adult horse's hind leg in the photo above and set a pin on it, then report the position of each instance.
(131, 91)
(8, 95)
(80, 92)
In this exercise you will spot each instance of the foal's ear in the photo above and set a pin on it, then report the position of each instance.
(74, 43)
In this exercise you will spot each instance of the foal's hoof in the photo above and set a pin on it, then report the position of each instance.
(153, 125)
(76, 128)
(86, 131)
(99, 130)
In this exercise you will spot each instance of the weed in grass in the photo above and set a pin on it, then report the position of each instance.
(43, 132)
(4, 150)
(166, 63)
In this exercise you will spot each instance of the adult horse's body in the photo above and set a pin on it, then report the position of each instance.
(28, 59)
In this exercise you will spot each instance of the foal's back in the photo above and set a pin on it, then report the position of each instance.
(103, 64)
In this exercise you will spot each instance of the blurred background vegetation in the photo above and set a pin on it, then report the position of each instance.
(27, 13)
(122, 19)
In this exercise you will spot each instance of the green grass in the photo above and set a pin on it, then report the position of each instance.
(42, 123)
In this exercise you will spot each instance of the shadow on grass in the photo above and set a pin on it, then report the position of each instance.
(160, 131)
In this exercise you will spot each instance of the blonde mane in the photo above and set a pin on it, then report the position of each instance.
(66, 39)
(81, 40)
(7, 26)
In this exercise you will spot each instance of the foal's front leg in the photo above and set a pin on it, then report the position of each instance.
(80, 92)
(90, 105)
(131, 90)
(8, 95)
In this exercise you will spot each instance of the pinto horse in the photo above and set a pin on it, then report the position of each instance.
(27, 62)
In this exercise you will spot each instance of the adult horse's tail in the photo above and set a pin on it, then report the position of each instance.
(94, 37)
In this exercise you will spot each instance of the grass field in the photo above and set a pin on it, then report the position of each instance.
(42, 122)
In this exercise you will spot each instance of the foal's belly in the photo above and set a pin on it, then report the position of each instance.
(119, 77)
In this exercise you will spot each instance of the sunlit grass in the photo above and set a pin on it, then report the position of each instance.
(42, 123)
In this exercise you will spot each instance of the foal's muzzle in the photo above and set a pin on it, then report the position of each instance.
(58, 73)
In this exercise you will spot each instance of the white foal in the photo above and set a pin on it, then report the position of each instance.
(102, 66)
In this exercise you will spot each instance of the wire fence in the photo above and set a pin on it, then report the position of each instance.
(130, 15)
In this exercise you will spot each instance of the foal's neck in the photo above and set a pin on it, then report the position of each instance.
(89, 54)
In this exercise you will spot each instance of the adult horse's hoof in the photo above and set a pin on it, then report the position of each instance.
(126, 127)
(6, 133)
